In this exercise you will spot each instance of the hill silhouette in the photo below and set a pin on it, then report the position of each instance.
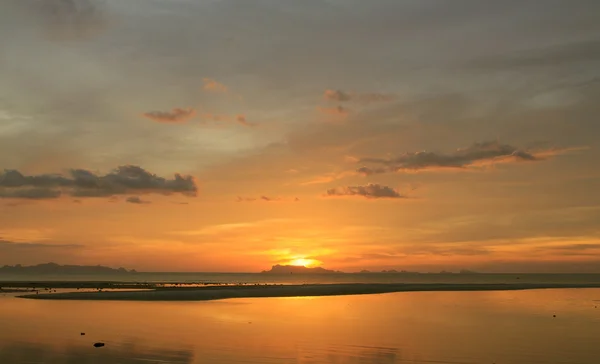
(53, 268)
(297, 269)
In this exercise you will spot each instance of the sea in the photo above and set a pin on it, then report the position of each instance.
(557, 326)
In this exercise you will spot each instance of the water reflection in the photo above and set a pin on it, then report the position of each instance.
(128, 353)
(426, 327)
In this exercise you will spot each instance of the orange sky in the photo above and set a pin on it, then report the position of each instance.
(353, 135)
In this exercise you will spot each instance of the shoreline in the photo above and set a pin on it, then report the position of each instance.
(306, 290)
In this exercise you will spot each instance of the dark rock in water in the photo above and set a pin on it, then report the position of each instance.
(98, 345)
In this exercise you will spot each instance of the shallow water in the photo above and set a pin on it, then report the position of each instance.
(505, 327)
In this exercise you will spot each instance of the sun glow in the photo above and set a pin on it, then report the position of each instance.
(309, 263)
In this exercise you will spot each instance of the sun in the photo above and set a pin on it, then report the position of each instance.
(309, 263)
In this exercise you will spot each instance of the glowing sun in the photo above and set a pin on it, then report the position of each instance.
(309, 263)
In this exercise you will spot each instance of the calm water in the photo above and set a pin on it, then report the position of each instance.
(321, 278)
(513, 327)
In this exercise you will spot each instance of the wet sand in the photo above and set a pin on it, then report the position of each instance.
(158, 293)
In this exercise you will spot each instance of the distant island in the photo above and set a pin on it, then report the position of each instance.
(364, 271)
(53, 268)
(297, 269)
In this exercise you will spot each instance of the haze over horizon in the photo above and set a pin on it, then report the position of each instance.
(220, 135)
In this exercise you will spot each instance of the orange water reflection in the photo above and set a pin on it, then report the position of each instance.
(444, 327)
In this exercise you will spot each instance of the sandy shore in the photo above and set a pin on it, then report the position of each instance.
(216, 293)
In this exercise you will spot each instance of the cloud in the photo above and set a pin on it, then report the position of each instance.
(477, 154)
(327, 177)
(123, 180)
(176, 115)
(336, 95)
(263, 198)
(136, 200)
(30, 193)
(18, 245)
(211, 85)
(371, 191)
(241, 119)
(218, 118)
(338, 111)
(342, 96)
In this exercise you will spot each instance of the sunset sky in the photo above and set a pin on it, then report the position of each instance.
(223, 135)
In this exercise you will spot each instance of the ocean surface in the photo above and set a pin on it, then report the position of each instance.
(557, 326)
(253, 278)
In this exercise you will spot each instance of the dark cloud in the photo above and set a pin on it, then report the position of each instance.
(176, 115)
(14, 245)
(372, 190)
(29, 193)
(83, 183)
(342, 96)
(476, 154)
(264, 198)
(261, 198)
(136, 200)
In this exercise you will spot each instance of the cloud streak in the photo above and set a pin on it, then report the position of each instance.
(136, 200)
(338, 111)
(218, 118)
(478, 154)
(263, 199)
(174, 116)
(370, 191)
(343, 96)
(211, 85)
(124, 180)
(28, 245)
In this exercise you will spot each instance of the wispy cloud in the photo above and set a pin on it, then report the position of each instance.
(123, 180)
(241, 119)
(30, 193)
(338, 111)
(343, 96)
(22, 245)
(264, 198)
(176, 115)
(233, 227)
(136, 200)
(224, 118)
(211, 85)
(370, 191)
(478, 154)
(328, 177)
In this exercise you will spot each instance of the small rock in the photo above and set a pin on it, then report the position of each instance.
(83, 333)
(98, 345)
(553, 315)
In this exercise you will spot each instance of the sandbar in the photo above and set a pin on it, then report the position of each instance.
(305, 290)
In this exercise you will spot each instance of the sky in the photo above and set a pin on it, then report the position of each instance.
(232, 135)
